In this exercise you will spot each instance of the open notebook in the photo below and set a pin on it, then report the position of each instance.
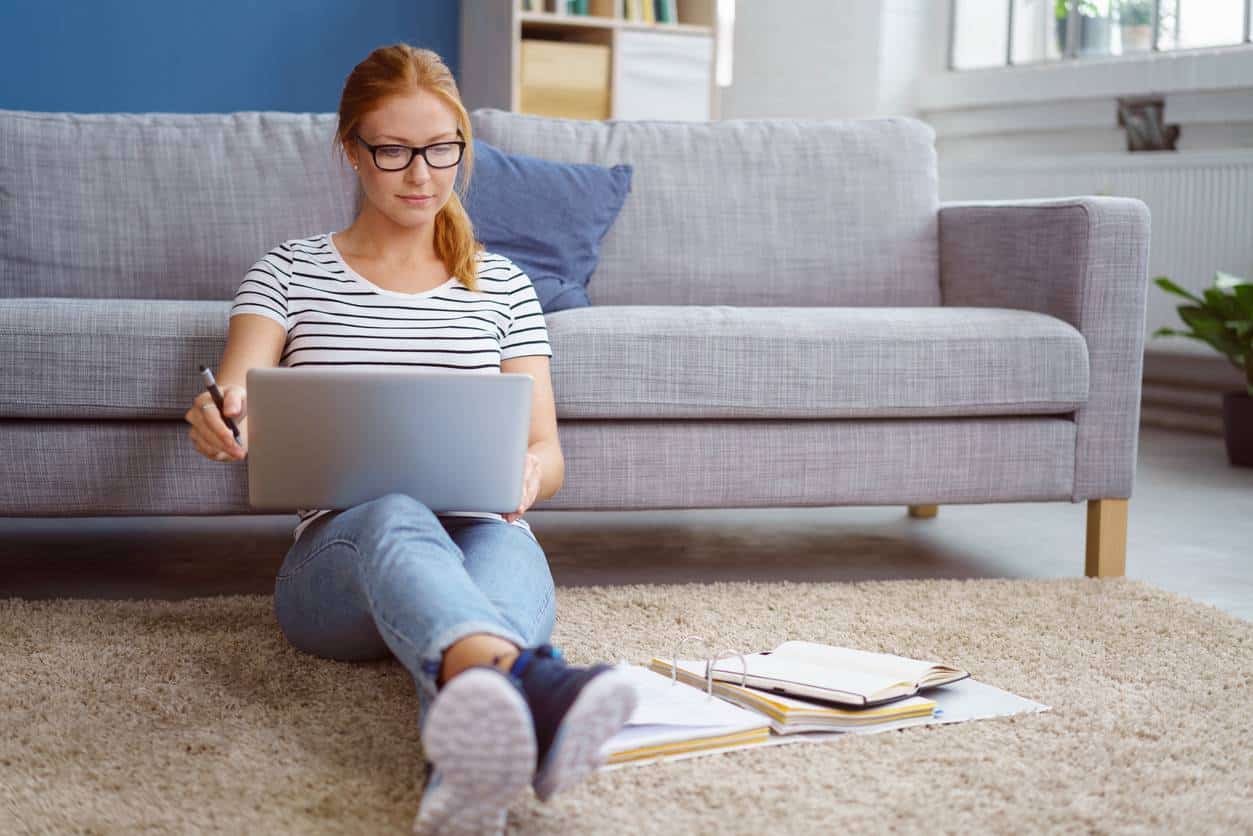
(672, 717)
(679, 712)
(789, 715)
(810, 671)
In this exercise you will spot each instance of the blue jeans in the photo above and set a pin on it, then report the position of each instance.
(388, 577)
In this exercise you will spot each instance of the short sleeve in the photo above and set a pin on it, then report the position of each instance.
(264, 288)
(527, 332)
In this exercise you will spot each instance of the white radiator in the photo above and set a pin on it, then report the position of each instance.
(1201, 203)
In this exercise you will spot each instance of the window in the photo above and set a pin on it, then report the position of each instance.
(997, 33)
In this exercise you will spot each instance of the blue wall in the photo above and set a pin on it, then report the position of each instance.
(194, 56)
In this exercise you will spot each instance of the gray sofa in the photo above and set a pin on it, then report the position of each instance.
(783, 315)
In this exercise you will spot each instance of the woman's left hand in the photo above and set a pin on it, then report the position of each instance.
(530, 486)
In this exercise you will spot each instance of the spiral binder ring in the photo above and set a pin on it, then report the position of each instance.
(709, 667)
(674, 660)
(709, 663)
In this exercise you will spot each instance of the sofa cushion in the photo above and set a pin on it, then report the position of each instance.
(662, 361)
(548, 217)
(160, 205)
(759, 212)
(84, 358)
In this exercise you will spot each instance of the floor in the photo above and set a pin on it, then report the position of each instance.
(1190, 531)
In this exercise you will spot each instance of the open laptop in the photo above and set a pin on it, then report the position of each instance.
(323, 437)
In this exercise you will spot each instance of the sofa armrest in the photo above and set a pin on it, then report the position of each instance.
(1083, 260)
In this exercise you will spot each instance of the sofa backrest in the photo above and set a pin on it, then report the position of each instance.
(160, 205)
(734, 212)
(754, 211)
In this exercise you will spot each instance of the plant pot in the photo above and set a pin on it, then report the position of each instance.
(1238, 428)
(1094, 35)
(1137, 37)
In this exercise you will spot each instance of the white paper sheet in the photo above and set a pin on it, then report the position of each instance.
(958, 702)
(668, 711)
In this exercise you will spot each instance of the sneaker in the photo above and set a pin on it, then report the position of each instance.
(479, 742)
(575, 710)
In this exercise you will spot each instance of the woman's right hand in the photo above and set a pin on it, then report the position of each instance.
(209, 433)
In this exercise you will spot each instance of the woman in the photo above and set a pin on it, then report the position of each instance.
(464, 599)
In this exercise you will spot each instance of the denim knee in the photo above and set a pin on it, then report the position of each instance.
(393, 506)
(377, 520)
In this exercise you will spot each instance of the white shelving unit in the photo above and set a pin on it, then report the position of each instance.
(598, 66)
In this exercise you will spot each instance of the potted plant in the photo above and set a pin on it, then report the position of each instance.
(1225, 321)
(1093, 27)
(1135, 24)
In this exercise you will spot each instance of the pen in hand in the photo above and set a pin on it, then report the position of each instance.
(216, 393)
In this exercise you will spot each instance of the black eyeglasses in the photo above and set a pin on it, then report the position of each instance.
(400, 157)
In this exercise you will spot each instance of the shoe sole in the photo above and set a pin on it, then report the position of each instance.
(480, 736)
(597, 713)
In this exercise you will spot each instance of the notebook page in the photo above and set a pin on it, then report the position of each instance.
(793, 705)
(787, 669)
(675, 738)
(898, 668)
(669, 713)
(661, 702)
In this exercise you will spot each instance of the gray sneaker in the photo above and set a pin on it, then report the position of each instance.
(479, 741)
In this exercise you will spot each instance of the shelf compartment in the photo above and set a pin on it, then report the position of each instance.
(565, 78)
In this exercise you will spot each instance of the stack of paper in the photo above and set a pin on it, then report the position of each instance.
(672, 718)
(789, 715)
(680, 713)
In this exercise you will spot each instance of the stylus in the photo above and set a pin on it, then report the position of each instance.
(212, 386)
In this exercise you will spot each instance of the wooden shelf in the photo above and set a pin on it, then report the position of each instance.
(656, 70)
(601, 22)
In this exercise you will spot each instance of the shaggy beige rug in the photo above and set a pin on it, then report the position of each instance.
(196, 716)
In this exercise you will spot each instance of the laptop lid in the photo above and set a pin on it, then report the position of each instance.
(333, 438)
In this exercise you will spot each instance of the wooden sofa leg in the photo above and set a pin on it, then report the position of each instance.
(1107, 538)
(923, 511)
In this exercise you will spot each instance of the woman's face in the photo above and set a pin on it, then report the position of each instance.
(416, 119)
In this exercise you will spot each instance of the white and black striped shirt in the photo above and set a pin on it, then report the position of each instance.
(336, 317)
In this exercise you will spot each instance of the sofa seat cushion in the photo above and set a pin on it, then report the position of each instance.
(135, 358)
(107, 358)
(718, 361)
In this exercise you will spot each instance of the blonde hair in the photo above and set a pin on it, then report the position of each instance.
(397, 70)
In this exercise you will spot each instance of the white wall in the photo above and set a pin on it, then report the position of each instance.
(825, 59)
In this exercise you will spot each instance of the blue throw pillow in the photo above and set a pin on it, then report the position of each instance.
(546, 217)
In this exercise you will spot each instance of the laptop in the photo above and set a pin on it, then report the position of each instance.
(333, 438)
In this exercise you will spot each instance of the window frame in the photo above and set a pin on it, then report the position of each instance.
(1072, 38)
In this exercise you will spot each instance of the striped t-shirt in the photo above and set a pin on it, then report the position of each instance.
(336, 317)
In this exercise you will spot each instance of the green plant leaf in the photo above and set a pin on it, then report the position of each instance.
(1166, 284)
(1244, 300)
(1199, 317)
(1212, 330)
(1220, 304)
